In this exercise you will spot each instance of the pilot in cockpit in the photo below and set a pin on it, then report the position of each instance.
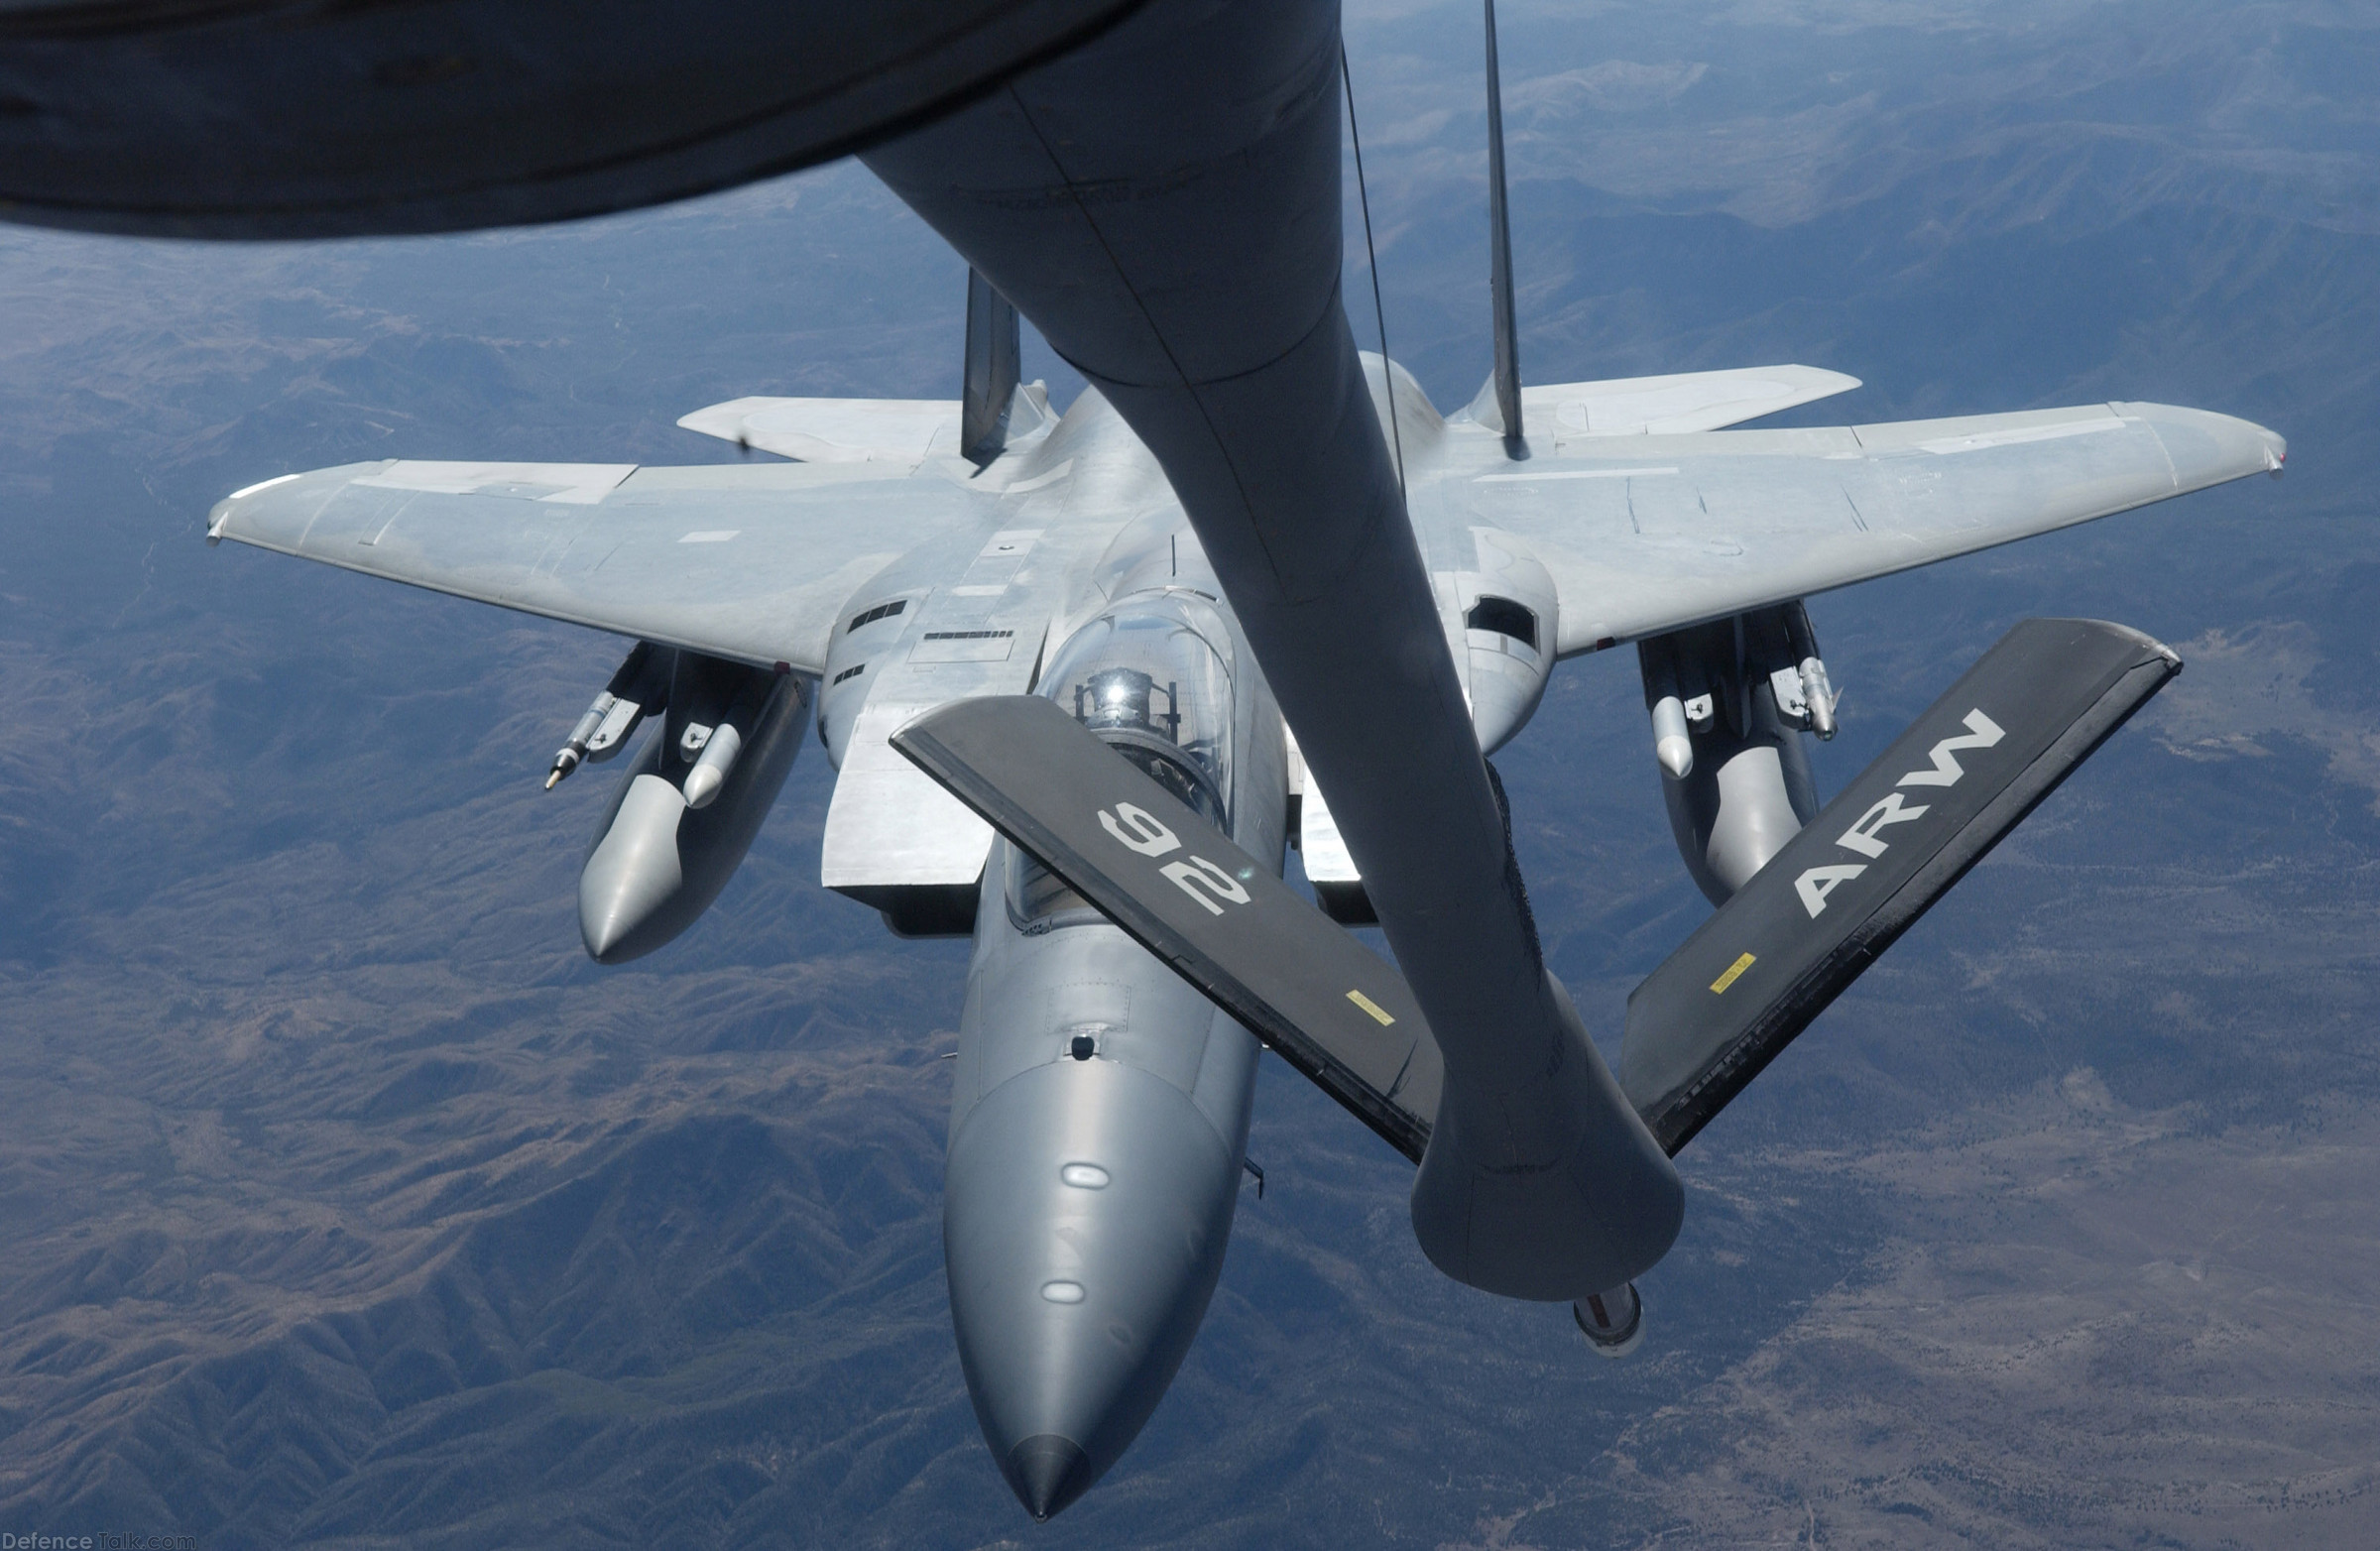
(1147, 678)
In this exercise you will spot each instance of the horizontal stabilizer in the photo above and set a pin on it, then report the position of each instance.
(835, 431)
(1965, 772)
(1332, 1008)
(1680, 402)
(903, 432)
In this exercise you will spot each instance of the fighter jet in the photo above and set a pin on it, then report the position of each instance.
(1085, 675)
(901, 567)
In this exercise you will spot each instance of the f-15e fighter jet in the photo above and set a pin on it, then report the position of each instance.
(1102, 1093)
(1084, 676)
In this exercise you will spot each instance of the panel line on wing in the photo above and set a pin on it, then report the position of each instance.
(1573, 473)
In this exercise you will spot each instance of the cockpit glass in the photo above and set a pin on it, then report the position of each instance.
(1152, 677)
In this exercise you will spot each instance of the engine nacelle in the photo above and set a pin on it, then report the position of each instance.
(1510, 625)
(691, 805)
(1729, 701)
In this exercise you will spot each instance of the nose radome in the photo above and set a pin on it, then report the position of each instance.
(1048, 1473)
(1085, 1210)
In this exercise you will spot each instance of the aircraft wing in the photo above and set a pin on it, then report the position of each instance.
(1648, 534)
(747, 561)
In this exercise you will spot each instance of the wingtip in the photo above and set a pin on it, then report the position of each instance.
(2206, 447)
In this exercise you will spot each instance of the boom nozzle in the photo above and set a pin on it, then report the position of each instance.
(1612, 1321)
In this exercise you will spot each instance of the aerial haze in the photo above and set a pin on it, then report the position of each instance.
(347, 1204)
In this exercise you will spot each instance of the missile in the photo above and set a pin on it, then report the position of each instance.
(1672, 741)
(620, 723)
(712, 750)
(661, 858)
(639, 687)
(1671, 744)
(575, 749)
(1818, 693)
(711, 769)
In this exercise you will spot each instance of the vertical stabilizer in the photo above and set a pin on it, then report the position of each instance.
(1500, 237)
(993, 359)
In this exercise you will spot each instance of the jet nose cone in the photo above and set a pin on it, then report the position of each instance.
(1085, 1214)
(1048, 1473)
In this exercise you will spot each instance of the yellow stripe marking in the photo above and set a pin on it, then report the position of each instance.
(1720, 984)
(1372, 1006)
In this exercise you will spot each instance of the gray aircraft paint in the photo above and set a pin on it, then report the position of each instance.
(1089, 1201)
(761, 565)
(812, 548)
(804, 546)
(658, 863)
(1635, 514)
